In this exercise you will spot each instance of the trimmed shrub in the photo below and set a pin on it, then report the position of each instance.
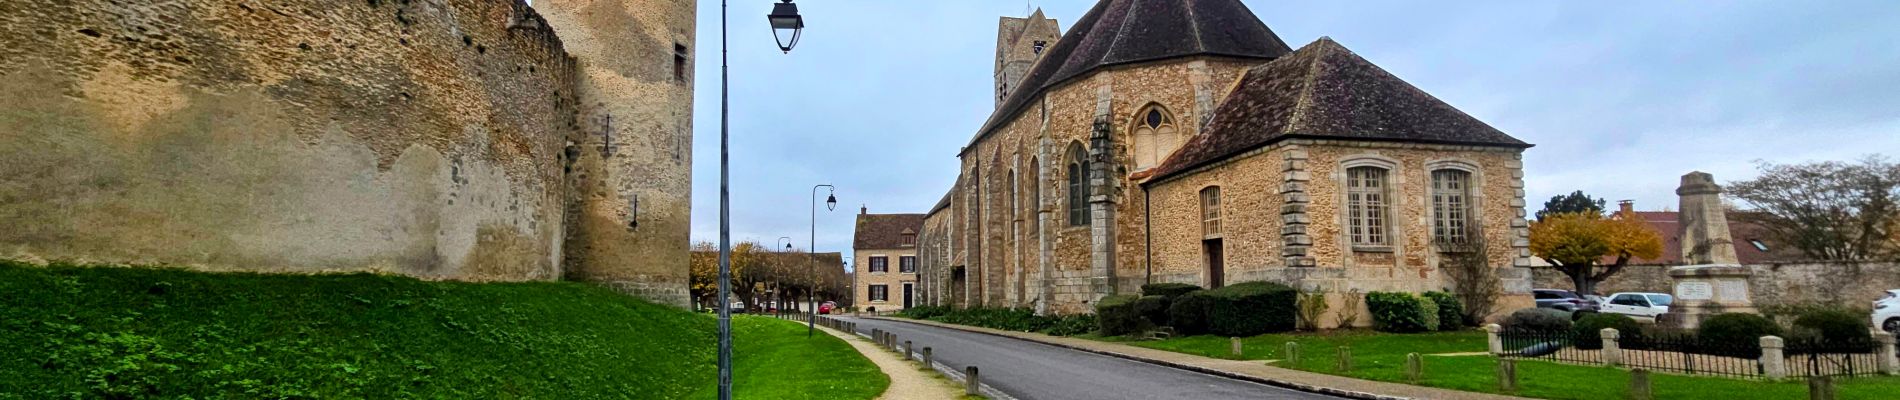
(1188, 314)
(1401, 312)
(1117, 315)
(1251, 308)
(1537, 320)
(1590, 329)
(1071, 325)
(1835, 324)
(1169, 290)
(1451, 312)
(1153, 308)
(1737, 328)
(1010, 319)
(924, 312)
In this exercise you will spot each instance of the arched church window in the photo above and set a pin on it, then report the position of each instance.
(1155, 136)
(1078, 169)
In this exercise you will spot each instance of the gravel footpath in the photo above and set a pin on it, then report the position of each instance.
(908, 379)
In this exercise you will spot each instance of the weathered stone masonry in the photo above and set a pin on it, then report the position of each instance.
(435, 138)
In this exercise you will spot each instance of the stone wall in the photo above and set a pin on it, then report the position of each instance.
(1839, 283)
(420, 137)
(893, 278)
(1257, 208)
(632, 173)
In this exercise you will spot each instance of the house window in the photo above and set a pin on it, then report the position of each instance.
(1366, 206)
(1451, 206)
(1155, 136)
(908, 239)
(880, 264)
(880, 292)
(679, 62)
(1210, 212)
(907, 264)
(1078, 186)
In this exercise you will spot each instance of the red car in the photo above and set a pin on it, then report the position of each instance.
(826, 307)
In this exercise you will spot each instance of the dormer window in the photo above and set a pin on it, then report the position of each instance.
(909, 239)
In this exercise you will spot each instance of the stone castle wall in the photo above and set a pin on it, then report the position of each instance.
(632, 199)
(1849, 284)
(434, 138)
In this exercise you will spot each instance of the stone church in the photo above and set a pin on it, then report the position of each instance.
(445, 139)
(1183, 141)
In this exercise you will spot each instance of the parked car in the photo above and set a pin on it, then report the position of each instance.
(1887, 311)
(1640, 306)
(826, 307)
(1563, 300)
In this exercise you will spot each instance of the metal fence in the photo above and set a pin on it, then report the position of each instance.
(1692, 355)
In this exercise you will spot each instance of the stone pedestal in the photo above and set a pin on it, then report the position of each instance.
(1704, 290)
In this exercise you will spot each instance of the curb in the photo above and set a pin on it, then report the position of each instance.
(1351, 394)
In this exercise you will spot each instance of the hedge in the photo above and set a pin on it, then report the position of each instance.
(1188, 314)
(1169, 290)
(1251, 308)
(1153, 308)
(1401, 312)
(1451, 312)
(1590, 329)
(1742, 331)
(1537, 320)
(1118, 315)
(1835, 325)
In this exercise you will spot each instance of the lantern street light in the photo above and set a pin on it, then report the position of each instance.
(782, 14)
(785, 19)
(811, 254)
(778, 283)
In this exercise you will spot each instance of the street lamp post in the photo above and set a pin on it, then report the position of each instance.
(778, 285)
(784, 16)
(811, 254)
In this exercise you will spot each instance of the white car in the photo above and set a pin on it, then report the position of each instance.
(1640, 306)
(1887, 311)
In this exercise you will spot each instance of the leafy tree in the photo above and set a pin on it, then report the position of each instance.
(1575, 202)
(748, 270)
(1577, 243)
(1828, 210)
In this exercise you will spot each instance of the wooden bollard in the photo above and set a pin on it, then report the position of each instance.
(1345, 358)
(1292, 353)
(907, 348)
(972, 386)
(1820, 388)
(1414, 368)
(1507, 376)
(927, 357)
(1234, 344)
(1639, 385)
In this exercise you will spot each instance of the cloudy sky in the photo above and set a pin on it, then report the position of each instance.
(1620, 98)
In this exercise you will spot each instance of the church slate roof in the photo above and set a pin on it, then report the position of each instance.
(885, 231)
(1131, 31)
(1325, 91)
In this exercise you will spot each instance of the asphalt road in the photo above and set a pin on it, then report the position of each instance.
(1035, 371)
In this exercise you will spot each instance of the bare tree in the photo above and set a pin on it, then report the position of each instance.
(1829, 210)
(1474, 282)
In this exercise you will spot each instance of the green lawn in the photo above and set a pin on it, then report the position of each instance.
(77, 332)
(1379, 356)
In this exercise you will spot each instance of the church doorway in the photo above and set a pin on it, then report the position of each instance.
(1215, 259)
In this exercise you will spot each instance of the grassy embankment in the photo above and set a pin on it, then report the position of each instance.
(1381, 357)
(79, 332)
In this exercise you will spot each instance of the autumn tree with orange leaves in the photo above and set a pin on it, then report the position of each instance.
(1578, 244)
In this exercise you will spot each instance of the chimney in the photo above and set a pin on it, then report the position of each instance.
(1628, 206)
(863, 209)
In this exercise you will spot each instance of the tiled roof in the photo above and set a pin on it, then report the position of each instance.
(1668, 225)
(1130, 31)
(1324, 90)
(886, 231)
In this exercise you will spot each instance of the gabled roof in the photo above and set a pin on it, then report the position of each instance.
(1746, 234)
(1130, 31)
(1325, 91)
(886, 231)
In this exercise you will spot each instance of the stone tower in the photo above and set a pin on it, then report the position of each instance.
(629, 162)
(1019, 42)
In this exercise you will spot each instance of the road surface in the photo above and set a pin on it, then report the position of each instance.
(1035, 371)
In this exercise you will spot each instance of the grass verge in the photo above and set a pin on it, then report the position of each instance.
(85, 332)
(1381, 357)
